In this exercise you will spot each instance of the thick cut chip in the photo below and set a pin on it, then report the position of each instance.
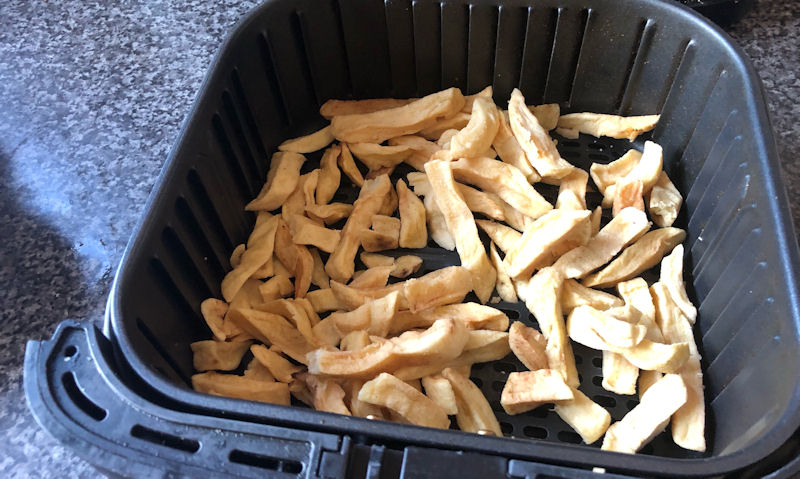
(329, 175)
(547, 114)
(647, 171)
(647, 379)
(528, 345)
(474, 412)
(318, 275)
(454, 122)
(664, 201)
(257, 371)
(437, 288)
(390, 202)
(293, 311)
(276, 287)
(627, 195)
(461, 225)
(535, 141)
(619, 375)
(504, 180)
(621, 231)
(349, 167)
(469, 100)
(372, 278)
(477, 201)
(413, 232)
(439, 389)
(504, 285)
(374, 316)
(354, 340)
(423, 149)
(371, 260)
(252, 259)
(306, 231)
(648, 418)
(473, 315)
(381, 125)
(213, 311)
(375, 156)
(586, 417)
(607, 175)
(477, 136)
(326, 332)
(323, 300)
(597, 217)
(647, 354)
(218, 355)
(597, 124)
(546, 240)
(332, 108)
(236, 255)
(442, 342)
(296, 258)
(672, 277)
(542, 296)
(385, 234)
(416, 408)
(328, 394)
(437, 226)
(509, 151)
(309, 188)
(352, 298)
(340, 265)
(613, 331)
(530, 389)
(330, 213)
(360, 408)
(636, 293)
(688, 423)
(284, 173)
(273, 329)
(504, 237)
(642, 255)
(241, 387)
(309, 143)
(278, 366)
(575, 294)
(572, 191)
(402, 266)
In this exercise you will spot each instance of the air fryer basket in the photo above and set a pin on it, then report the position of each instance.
(625, 57)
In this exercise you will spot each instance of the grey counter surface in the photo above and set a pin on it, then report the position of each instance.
(92, 95)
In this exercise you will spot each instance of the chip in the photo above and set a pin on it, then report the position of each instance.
(327, 394)
(572, 191)
(597, 124)
(330, 213)
(375, 156)
(530, 389)
(279, 286)
(416, 408)
(280, 368)
(477, 136)
(372, 278)
(252, 259)
(607, 175)
(473, 315)
(504, 285)
(574, 294)
(413, 232)
(443, 286)
(284, 173)
(586, 417)
(375, 316)
(474, 412)
(509, 151)
(664, 201)
(528, 345)
(272, 329)
(440, 391)
(672, 277)
(546, 114)
(241, 387)
(504, 237)
(219, 355)
(309, 143)
(332, 108)
(354, 340)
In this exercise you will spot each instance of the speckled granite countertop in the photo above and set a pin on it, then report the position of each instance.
(92, 95)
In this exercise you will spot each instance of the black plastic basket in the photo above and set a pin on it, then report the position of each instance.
(124, 402)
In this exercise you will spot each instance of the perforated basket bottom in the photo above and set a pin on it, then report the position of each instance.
(542, 423)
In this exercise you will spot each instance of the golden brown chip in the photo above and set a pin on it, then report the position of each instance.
(279, 286)
(272, 329)
(586, 417)
(572, 191)
(349, 167)
(504, 285)
(672, 277)
(549, 237)
(354, 340)
(507, 147)
(296, 258)
(642, 255)
(328, 394)
(505, 180)
(619, 375)
(664, 201)
(340, 265)
(257, 371)
(236, 255)
(477, 136)
(648, 418)
(443, 341)
(384, 234)
(309, 143)
(473, 315)
(388, 391)
(332, 108)
(299, 389)
(318, 275)
(440, 391)
(474, 412)
(528, 345)
(461, 225)
(329, 175)
(296, 203)
(284, 173)
(477, 201)
(375, 156)
(252, 259)
(292, 311)
(454, 122)
(374, 316)
(402, 266)
(534, 140)
(278, 366)
(213, 311)
(357, 407)
(542, 296)
(597, 124)
(219, 355)
(323, 300)
(306, 231)
(372, 278)
(575, 294)
(437, 288)
(647, 171)
(241, 387)
(622, 230)
(506, 238)
(413, 232)
(547, 114)
(352, 298)
(330, 213)
(530, 389)
(381, 125)
(607, 175)
(326, 333)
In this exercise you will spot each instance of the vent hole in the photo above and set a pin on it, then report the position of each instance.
(505, 368)
(535, 432)
(79, 398)
(498, 385)
(164, 439)
(478, 382)
(570, 437)
(70, 351)
(506, 428)
(597, 362)
(265, 462)
(605, 401)
(597, 381)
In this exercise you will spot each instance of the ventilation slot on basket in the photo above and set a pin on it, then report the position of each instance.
(164, 439)
(482, 46)
(273, 85)
(540, 31)
(568, 41)
(151, 338)
(243, 144)
(265, 462)
(243, 106)
(234, 167)
(200, 241)
(187, 269)
(688, 47)
(200, 197)
(303, 61)
(635, 64)
(79, 398)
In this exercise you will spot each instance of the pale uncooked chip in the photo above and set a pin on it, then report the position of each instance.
(572, 191)
(477, 201)
(619, 375)
(309, 143)
(672, 277)
(332, 108)
(473, 315)
(528, 345)
(509, 151)
(504, 286)
(575, 294)
(413, 232)
(283, 175)
(241, 387)
(546, 114)
(664, 201)
(605, 175)
(636, 293)
(439, 389)
(469, 100)
(530, 389)
(477, 136)
(598, 124)
(586, 417)
(444, 286)
(224, 356)
(453, 122)
(388, 391)
(376, 156)
(474, 412)
(504, 237)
